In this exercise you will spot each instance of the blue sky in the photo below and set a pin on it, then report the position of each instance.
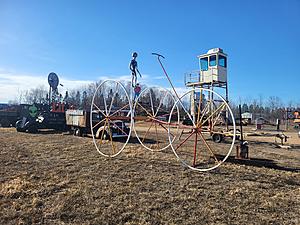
(84, 41)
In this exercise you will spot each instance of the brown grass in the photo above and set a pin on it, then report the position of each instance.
(61, 179)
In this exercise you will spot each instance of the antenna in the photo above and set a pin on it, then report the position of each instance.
(53, 80)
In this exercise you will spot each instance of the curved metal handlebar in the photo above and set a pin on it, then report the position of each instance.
(158, 55)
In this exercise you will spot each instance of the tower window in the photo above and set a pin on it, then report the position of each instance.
(222, 61)
(204, 63)
(212, 60)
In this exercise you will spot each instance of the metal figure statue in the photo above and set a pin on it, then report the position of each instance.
(134, 68)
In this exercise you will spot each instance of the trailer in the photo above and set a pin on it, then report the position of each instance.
(8, 118)
(79, 123)
(9, 115)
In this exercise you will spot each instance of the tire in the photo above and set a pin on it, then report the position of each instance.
(105, 135)
(78, 132)
(217, 138)
(18, 126)
(32, 129)
(84, 133)
(20, 130)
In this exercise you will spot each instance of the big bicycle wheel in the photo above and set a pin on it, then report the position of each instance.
(110, 118)
(151, 116)
(205, 120)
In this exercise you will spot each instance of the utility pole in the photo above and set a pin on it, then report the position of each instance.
(287, 111)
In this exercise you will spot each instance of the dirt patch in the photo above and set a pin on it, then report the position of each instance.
(62, 179)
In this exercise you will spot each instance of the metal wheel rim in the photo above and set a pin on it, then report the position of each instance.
(233, 139)
(91, 123)
(134, 128)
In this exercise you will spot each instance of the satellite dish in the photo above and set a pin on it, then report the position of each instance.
(53, 80)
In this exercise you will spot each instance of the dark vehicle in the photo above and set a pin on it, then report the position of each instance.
(9, 115)
(188, 122)
(39, 116)
(118, 129)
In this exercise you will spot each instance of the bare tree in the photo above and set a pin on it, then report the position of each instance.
(274, 102)
(36, 95)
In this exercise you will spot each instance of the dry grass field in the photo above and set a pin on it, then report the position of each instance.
(55, 178)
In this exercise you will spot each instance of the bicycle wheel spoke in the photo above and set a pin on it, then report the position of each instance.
(105, 105)
(156, 135)
(98, 123)
(151, 113)
(118, 127)
(195, 149)
(160, 103)
(217, 118)
(99, 109)
(147, 131)
(151, 102)
(184, 141)
(199, 123)
(119, 110)
(165, 128)
(144, 109)
(113, 98)
(199, 108)
(209, 148)
(111, 140)
(218, 109)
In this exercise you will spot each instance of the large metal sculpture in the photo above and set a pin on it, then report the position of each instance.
(192, 125)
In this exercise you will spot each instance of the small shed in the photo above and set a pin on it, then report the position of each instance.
(248, 116)
(259, 122)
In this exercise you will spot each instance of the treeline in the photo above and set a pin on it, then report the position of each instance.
(80, 98)
(270, 109)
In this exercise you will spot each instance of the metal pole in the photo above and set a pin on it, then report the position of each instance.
(241, 126)
(167, 76)
(179, 100)
(193, 105)
(226, 90)
(287, 119)
(50, 97)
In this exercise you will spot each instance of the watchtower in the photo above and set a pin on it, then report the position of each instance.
(212, 71)
(212, 74)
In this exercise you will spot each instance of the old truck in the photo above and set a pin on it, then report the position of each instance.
(39, 116)
(78, 121)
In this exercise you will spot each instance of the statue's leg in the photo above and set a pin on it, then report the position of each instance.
(132, 80)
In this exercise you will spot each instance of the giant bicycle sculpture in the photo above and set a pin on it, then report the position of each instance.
(192, 125)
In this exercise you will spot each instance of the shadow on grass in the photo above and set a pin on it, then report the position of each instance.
(258, 162)
(132, 140)
(48, 131)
